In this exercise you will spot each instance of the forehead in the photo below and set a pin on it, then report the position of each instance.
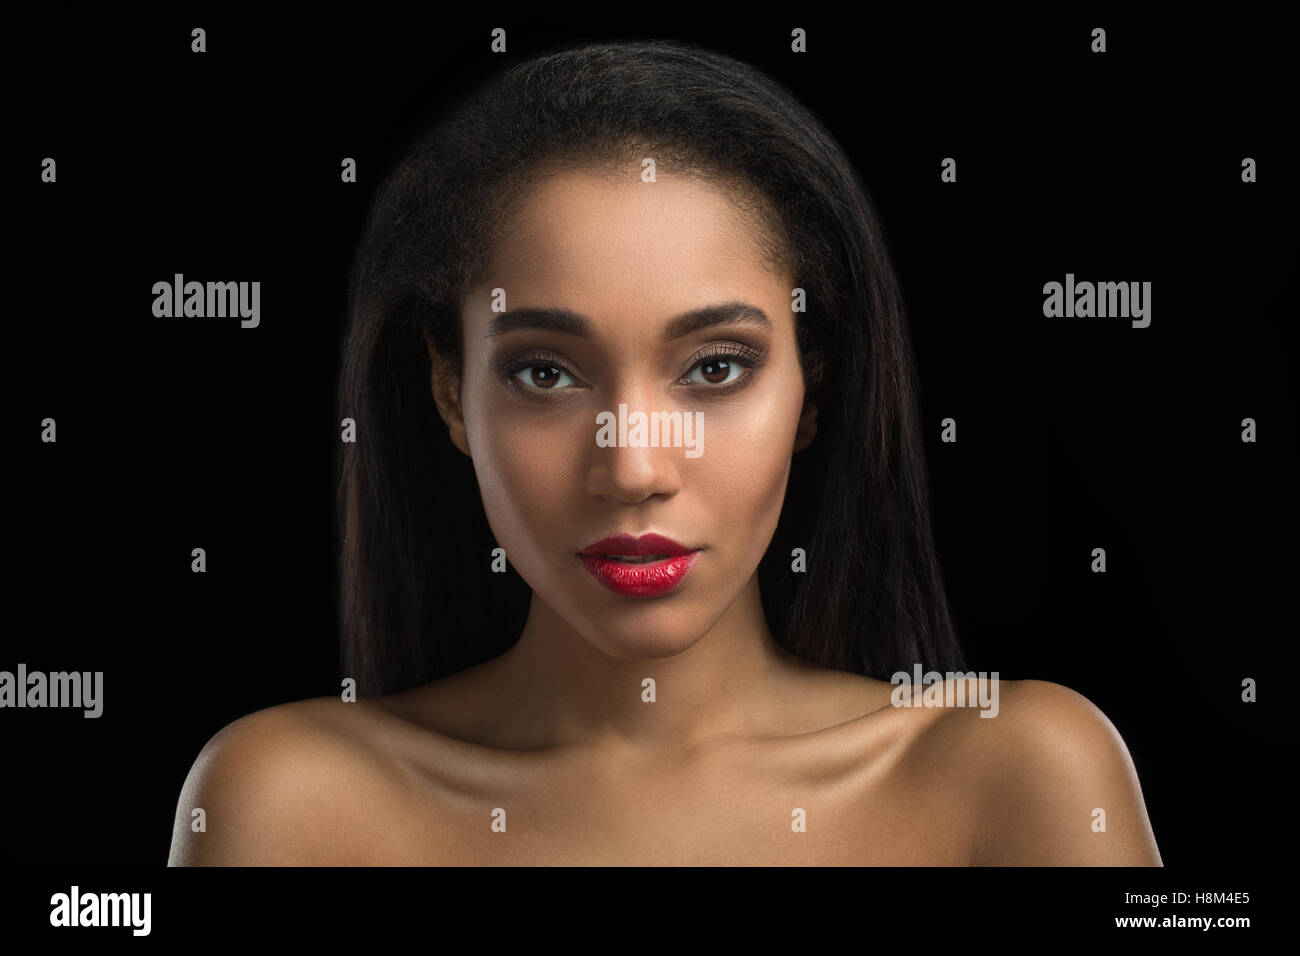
(585, 235)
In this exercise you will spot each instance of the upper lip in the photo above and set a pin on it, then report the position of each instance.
(628, 545)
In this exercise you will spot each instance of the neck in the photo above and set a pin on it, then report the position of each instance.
(565, 690)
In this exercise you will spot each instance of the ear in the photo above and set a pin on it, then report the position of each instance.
(445, 384)
(807, 429)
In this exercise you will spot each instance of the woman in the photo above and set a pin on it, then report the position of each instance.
(583, 639)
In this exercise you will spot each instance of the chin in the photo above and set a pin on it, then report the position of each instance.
(637, 644)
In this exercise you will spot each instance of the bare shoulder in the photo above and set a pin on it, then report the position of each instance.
(1052, 779)
(284, 786)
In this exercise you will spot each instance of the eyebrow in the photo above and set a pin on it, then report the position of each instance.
(572, 323)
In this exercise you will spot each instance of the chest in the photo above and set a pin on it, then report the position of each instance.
(721, 815)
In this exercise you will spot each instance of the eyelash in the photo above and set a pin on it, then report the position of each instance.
(749, 358)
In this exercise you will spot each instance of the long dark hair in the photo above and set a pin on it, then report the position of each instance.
(418, 598)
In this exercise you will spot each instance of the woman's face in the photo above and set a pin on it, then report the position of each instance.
(624, 259)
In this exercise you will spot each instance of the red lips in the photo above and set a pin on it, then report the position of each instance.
(649, 579)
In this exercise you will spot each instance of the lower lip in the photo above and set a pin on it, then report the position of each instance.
(640, 580)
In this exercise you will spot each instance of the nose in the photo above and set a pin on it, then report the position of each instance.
(625, 466)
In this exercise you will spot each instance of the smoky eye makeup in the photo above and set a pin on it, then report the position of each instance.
(716, 358)
(513, 362)
(723, 357)
(508, 367)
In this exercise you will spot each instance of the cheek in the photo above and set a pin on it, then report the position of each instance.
(527, 467)
(747, 452)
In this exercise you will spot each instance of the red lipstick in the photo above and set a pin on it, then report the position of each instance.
(659, 563)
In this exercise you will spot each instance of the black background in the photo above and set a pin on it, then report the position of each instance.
(1073, 434)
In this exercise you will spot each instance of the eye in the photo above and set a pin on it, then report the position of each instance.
(540, 376)
(719, 367)
(717, 370)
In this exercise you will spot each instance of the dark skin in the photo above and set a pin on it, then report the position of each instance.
(742, 739)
